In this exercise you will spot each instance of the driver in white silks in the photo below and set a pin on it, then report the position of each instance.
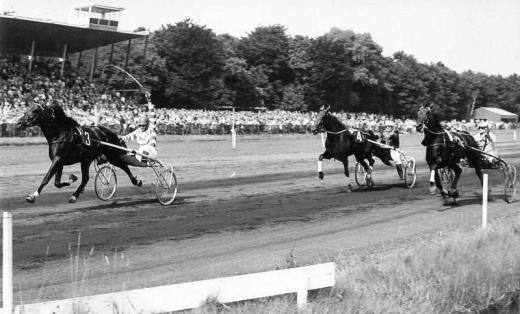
(146, 136)
(390, 137)
(486, 142)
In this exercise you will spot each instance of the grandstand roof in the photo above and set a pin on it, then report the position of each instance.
(17, 33)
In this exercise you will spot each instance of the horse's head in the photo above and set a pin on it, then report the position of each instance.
(319, 124)
(424, 116)
(37, 114)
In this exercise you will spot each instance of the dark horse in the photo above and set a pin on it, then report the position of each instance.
(342, 143)
(69, 143)
(446, 149)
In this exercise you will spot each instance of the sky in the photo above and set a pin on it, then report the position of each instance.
(478, 35)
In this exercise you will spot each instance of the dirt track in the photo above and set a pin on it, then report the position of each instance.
(238, 211)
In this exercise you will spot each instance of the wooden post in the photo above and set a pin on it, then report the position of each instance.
(7, 267)
(301, 294)
(233, 131)
(484, 200)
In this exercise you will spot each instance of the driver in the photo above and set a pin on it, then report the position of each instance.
(486, 141)
(390, 137)
(146, 136)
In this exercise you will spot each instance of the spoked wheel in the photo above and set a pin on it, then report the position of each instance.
(166, 186)
(410, 173)
(510, 186)
(360, 175)
(105, 183)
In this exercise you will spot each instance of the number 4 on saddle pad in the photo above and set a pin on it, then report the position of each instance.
(358, 137)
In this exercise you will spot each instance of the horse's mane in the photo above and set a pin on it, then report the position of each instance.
(337, 121)
(61, 117)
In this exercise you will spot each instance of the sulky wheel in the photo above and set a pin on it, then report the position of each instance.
(105, 183)
(410, 173)
(166, 186)
(510, 184)
(360, 175)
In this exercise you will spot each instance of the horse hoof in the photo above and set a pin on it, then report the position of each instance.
(454, 194)
(349, 188)
(139, 183)
(73, 199)
(30, 199)
(321, 175)
(433, 189)
(72, 178)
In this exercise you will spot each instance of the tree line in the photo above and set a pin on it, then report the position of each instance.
(190, 66)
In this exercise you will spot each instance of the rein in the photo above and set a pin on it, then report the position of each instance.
(339, 132)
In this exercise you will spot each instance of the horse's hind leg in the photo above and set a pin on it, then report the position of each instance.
(85, 165)
(368, 167)
(119, 162)
(347, 174)
(458, 171)
(57, 179)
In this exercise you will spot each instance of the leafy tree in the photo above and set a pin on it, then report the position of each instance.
(194, 62)
(267, 50)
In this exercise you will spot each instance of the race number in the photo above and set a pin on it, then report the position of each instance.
(359, 137)
(86, 138)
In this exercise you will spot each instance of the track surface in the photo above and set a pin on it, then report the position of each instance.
(237, 211)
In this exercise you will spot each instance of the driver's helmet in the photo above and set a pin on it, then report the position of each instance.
(388, 126)
(482, 126)
(143, 121)
(40, 98)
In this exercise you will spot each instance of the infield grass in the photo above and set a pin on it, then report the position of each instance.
(471, 272)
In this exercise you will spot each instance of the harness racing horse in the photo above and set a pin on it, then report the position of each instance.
(341, 143)
(446, 149)
(70, 144)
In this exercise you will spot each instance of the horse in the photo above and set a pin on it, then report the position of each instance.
(69, 143)
(446, 149)
(341, 143)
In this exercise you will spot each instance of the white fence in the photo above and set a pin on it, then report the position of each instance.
(174, 297)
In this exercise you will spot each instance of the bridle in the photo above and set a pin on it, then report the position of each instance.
(425, 122)
(321, 129)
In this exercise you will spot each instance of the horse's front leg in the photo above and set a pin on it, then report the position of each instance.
(57, 178)
(433, 180)
(438, 184)
(85, 165)
(55, 165)
(347, 173)
(325, 155)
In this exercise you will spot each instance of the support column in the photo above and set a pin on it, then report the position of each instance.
(127, 53)
(93, 65)
(63, 57)
(32, 55)
(144, 57)
(79, 60)
(111, 54)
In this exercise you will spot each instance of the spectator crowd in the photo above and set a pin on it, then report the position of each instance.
(90, 104)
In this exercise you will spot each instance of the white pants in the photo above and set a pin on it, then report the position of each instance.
(396, 157)
(148, 150)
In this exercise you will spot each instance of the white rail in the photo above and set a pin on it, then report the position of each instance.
(195, 294)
